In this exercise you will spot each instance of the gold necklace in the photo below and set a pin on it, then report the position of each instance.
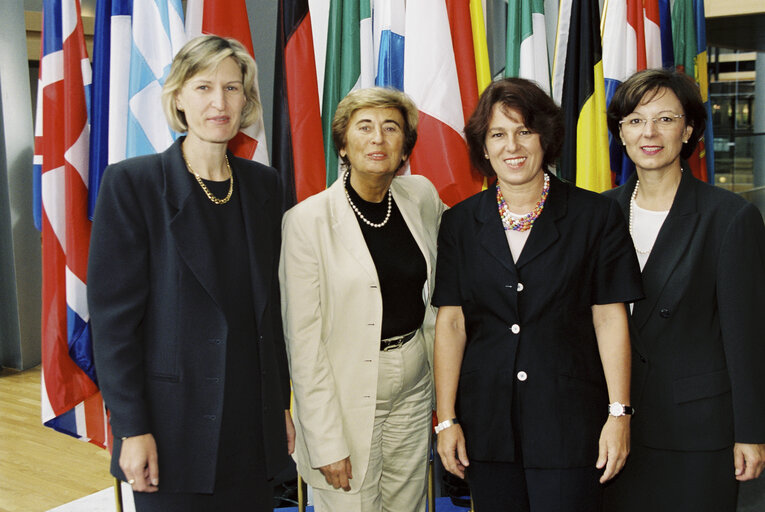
(209, 194)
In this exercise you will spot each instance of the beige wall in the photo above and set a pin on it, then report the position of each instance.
(715, 8)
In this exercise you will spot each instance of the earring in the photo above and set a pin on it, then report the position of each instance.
(486, 156)
(685, 142)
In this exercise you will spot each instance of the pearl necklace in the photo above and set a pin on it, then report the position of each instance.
(632, 202)
(358, 212)
(509, 222)
(206, 190)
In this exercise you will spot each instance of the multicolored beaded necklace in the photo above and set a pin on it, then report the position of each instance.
(509, 221)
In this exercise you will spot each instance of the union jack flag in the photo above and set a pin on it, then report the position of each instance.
(71, 402)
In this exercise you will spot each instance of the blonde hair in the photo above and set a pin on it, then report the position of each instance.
(201, 54)
(374, 97)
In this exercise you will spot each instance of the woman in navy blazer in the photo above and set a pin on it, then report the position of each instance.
(532, 346)
(698, 347)
(184, 301)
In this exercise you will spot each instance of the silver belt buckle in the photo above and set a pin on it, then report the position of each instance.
(396, 344)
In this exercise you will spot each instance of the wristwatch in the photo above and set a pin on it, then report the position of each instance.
(619, 409)
(445, 424)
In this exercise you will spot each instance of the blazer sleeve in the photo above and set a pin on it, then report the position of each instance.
(118, 288)
(740, 298)
(447, 289)
(617, 271)
(318, 407)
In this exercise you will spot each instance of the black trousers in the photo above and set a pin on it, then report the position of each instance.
(509, 487)
(249, 497)
(674, 481)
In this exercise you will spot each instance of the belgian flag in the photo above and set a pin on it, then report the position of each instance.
(578, 87)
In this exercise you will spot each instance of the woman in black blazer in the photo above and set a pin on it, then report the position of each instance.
(184, 301)
(532, 346)
(698, 347)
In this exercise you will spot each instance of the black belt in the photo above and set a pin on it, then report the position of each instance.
(396, 341)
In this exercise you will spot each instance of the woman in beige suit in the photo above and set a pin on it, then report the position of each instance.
(356, 276)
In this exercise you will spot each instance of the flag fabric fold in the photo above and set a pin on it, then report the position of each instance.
(71, 402)
(526, 47)
(157, 35)
(111, 42)
(578, 86)
(298, 148)
(431, 79)
(686, 36)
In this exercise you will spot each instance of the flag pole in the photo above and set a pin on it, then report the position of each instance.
(301, 490)
(118, 494)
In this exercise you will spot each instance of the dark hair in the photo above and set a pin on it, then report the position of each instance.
(644, 86)
(540, 115)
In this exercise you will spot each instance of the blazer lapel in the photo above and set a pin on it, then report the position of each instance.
(346, 228)
(670, 246)
(257, 220)
(491, 234)
(625, 194)
(410, 212)
(545, 232)
(187, 225)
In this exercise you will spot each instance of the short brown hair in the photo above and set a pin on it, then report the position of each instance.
(646, 85)
(540, 115)
(374, 97)
(203, 53)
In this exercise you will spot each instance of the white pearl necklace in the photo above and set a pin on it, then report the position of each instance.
(358, 212)
(632, 202)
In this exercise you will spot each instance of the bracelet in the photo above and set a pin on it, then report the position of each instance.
(445, 424)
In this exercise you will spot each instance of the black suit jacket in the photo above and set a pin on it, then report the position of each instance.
(534, 316)
(698, 342)
(158, 328)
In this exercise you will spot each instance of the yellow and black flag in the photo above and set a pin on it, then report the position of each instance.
(578, 87)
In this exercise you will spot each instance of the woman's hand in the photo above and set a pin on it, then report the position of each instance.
(290, 432)
(749, 460)
(614, 446)
(451, 448)
(139, 462)
(338, 473)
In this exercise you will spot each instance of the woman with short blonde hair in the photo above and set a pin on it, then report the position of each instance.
(184, 301)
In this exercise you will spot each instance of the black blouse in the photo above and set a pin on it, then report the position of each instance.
(400, 265)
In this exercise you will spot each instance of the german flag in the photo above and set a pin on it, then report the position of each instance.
(578, 87)
(296, 106)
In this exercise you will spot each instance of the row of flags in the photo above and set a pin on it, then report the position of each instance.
(443, 53)
(644, 34)
(88, 117)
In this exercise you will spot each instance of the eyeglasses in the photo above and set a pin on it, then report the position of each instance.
(637, 124)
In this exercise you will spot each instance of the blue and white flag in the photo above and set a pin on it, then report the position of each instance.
(157, 35)
(389, 21)
(111, 73)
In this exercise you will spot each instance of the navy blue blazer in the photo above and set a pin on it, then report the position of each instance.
(158, 328)
(697, 338)
(534, 316)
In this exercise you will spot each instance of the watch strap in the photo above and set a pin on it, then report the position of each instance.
(445, 424)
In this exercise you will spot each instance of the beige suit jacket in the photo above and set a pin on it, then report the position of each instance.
(332, 315)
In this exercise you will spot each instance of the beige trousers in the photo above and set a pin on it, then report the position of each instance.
(396, 480)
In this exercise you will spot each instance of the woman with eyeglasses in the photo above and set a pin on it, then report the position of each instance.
(698, 351)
